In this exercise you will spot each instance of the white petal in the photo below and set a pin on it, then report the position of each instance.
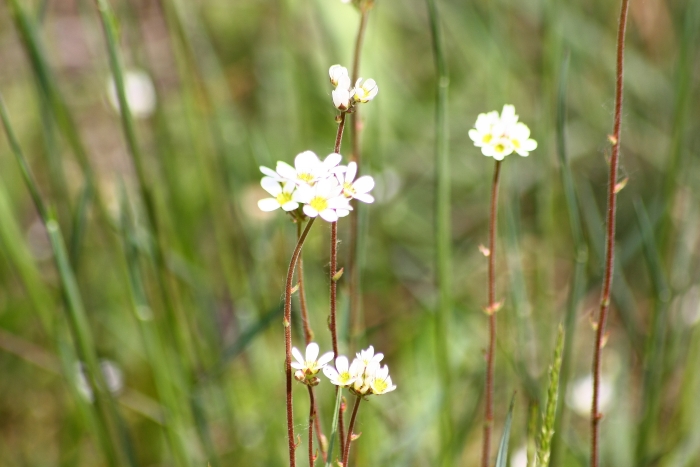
(306, 161)
(312, 352)
(269, 172)
(342, 364)
(286, 170)
(351, 172)
(271, 185)
(364, 197)
(290, 206)
(475, 136)
(309, 211)
(363, 184)
(330, 372)
(332, 160)
(325, 358)
(329, 215)
(268, 204)
(297, 354)
(529, 145)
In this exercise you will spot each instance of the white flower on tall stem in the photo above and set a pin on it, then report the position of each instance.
(343, 374)
(365, 92)
(356, 189)
(342, 98)
(324, 199)
(282, 195)
(308, 168)
(381, 381)
(500, 135)
(368, 356)
(310, 364)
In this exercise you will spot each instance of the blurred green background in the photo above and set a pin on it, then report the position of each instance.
(189, 321)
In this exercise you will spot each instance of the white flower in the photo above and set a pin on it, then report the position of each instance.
(339, 76)
(360, 188)
(341, 98)
(268, 172)
(366, 91)
(324, 199)
(520, 138)
(308, 168)
(140, 93)
(282, 195)
(368, 356)
(501, 135)
(381, 381)
(342, 375)
(309, 365)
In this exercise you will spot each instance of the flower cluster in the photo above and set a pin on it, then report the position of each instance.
(310, 364)
(364, 376)
(345, 95)
(314, 187)
(501, 135)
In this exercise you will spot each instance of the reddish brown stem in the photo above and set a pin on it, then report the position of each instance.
(308, 333)
(609, 238)
(312, 417)
(491, 311)
(288, 339)
(346, 452)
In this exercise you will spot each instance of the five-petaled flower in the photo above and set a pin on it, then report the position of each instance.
(356, 189)
(343, 374)
(282, 193)
(309, 365)
(500, 135)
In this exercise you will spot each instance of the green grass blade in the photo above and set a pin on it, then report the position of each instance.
(334, 427)
(502, 457)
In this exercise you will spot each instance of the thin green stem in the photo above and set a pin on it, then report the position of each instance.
(332, 321)
(334, 427)
(491, 311)
(442, 228)
(288, 338)
(356, 156)
(596, 416)
(348, 441)
(308, 333)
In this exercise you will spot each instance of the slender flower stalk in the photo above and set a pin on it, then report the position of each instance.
(498, 135)
(346, 453)
(491, 311)
(288, 338)
(610, 238)
(312, 419)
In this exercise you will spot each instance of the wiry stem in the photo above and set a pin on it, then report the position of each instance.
(308, 337)
(610, 237)
(312, 417)
(346, 452)
(333, 272)
(356, 156)
(288, 339)
(491, 311)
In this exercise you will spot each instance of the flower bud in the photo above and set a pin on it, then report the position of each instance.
(365, 92)
(339, 75)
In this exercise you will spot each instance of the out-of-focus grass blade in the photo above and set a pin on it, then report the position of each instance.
(47, 82)
(161, 366)
(249, 334)
(443, 230)
(77, 319)
(78, 231)
(654, 350)
(502, 457)
(578, 281)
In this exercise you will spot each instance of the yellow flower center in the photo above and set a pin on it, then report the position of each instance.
(348, 190)
(500, 147)
(344, 377)
(380, 386)
(283, 198)
(319, 204)
(306, 177)
(486, 139)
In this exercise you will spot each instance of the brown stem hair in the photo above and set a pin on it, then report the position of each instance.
(346, 452)
(491, 312)
(288, 339)
(609, 238)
